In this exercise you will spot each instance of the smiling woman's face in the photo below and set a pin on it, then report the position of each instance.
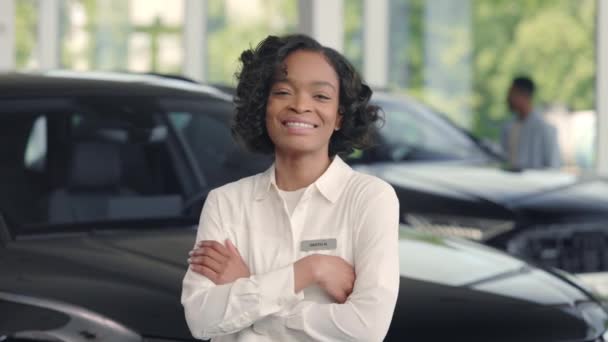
(302, 108)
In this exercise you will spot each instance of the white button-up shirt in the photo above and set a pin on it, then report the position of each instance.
(359, 211)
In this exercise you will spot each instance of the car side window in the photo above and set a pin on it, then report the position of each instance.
(88, 159)
(35, 151)
(22, 164)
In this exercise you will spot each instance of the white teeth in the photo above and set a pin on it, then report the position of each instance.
(299, 124)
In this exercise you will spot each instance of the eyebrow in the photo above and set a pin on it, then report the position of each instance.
(313, 83)
(324, 83)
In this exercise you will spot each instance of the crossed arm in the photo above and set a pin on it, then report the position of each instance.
(223, 264)
(220, 296)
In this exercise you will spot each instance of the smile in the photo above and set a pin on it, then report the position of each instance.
(298, 124)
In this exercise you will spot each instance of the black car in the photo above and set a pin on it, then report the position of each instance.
(102, 177)
(451, 183)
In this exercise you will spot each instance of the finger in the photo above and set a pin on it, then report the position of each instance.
(352, 277)
(215, 245)
(196, 252)
(195, 261)
(232, 248)
(215, 255)
(209, 252)
(205, 271)
(213, 264)
(208, 262)
(341, 297)
(349, 290)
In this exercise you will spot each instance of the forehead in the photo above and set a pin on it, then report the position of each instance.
(309, 66)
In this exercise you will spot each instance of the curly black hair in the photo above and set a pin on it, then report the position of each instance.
(260, 67)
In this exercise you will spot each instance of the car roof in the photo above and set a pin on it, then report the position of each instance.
(58, 83)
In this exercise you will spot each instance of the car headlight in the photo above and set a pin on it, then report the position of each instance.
(473, 228)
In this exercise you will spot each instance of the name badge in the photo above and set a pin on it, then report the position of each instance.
(317, 245)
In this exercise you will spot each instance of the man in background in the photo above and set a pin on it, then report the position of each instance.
(527, 140)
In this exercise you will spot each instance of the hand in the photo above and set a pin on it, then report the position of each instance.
(335, 276)
(331, 273)
(221, 264)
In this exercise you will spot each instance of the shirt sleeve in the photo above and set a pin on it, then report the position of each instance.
(552, 151)
(212, 310)
(504, 141)
(367, 313)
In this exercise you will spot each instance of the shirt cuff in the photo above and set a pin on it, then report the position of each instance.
(296, 319)
(277, 290)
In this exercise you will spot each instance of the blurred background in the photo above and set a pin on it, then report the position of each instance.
(457, 56)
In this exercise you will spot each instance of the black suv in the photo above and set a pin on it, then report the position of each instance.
(102, 177)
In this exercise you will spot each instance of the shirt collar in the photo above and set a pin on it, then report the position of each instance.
(330, 184)
(532, 116)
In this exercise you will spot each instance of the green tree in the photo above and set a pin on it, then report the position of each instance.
(26, 32)
(226, 40)
(353, 32)
(550, 40)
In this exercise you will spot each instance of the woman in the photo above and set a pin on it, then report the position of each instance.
(307, 250)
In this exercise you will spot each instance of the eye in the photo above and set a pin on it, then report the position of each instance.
(280, 92)
(322, 97)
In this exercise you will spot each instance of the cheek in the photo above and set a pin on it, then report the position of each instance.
(269, 122)
(273, 108)
(272, 123)
(332, 118)
(271, 112)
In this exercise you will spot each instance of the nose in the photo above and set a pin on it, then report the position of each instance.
(301, 104)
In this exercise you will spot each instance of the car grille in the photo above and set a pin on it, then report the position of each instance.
(576, 249)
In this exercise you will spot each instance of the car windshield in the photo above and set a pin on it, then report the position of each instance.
(204, 130)
(413, 132)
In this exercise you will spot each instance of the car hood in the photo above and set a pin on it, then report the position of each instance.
(481, 294)
(135, 278)
(487, 182)
(540, 193)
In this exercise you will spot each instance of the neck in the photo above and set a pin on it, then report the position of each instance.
(523, 114)
(294, 172)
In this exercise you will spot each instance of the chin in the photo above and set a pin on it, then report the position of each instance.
(299, 149)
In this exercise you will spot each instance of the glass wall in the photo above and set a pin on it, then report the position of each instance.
(26, 33)
(457, 56)
(234, 25)
(353, 32)
(460, 57)
(134, 35)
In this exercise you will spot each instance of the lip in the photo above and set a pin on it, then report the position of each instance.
(298, 130)
(284, 123)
